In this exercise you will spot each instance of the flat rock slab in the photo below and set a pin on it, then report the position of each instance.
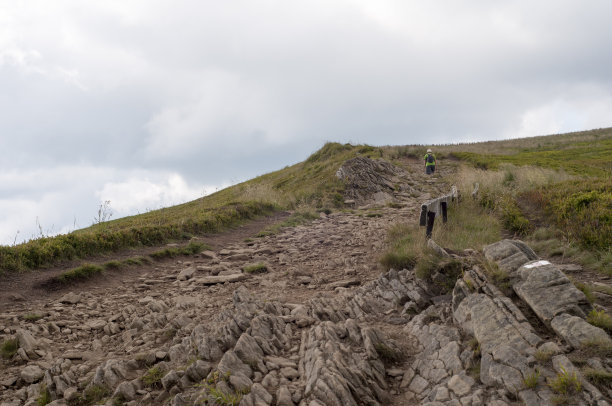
(549, 292)
(213, 280)
(577, 332)
(509, 254)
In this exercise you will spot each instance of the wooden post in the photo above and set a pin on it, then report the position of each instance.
(444, 212)
(431, 216)
(423, 218)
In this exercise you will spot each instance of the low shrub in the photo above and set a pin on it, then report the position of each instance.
(600, 319)
(255, 268)
(565, 383)
(9, 348)
(152, 378)
(532, 379)
(79, 273)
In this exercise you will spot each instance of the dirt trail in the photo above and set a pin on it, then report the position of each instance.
(181, 316)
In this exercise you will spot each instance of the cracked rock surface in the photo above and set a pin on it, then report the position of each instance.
(322, 325)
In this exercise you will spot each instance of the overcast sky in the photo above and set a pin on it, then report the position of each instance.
(148, 103)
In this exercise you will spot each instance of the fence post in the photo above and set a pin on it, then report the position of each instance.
(434, 207)
(444, 212)
(431, 216)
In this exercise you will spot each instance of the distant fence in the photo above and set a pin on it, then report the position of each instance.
(434, 207)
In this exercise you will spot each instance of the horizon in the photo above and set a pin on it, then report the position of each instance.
(151, 104)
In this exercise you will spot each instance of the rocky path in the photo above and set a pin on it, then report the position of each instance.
(302, 317)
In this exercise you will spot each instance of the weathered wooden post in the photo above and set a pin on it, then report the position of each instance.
(433, 207)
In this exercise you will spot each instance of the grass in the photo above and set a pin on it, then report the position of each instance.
(45, 396)
(586, 289)
(259, 267)
(82, 272)
(172, 252)
(468, 226)
(9, 348)
(32, 317)
(388, 354)
(600, 319)
(93, 394)
(598, 377)
(565, 383)
(152, 378)
(532, 379)
(221, 398)
(543, 356)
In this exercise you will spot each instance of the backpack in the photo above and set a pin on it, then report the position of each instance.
(430, 158)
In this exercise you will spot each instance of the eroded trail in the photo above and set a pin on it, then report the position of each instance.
(321, 325)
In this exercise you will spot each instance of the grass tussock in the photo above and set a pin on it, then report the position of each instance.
(600, 319)
(532, 379)
(565, 383)
(82, 272)
(172, 252)
(9, 348)
(152, 378)
(149, 229)
(598, 377)
(259, 267)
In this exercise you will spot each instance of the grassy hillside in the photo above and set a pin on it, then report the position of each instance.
(310, 183)
(557, 188)
(554, 191)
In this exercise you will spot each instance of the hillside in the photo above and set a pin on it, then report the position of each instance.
(302, 288)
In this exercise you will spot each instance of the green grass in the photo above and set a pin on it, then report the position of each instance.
(259, 267)
(597, 376)
(172, 252)
(45, 396)
(9, 348)
(79, 273)
(600, 319)
(32, 317)
(532, 379)
(152, 378)
(565, 383)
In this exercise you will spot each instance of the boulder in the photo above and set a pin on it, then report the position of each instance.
(577, 332)
(549, 292)
(509, 254)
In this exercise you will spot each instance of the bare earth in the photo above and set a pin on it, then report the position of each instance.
(179, 315)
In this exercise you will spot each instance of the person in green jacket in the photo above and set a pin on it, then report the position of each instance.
(430, 162)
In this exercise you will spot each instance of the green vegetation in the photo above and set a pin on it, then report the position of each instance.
(600, 319)
(598, 377)
(565, 383)
(45, 396)
(92, 395)
(32, 317)
(388, 354)
(532, 379)
(171, 252)
(562, 180)
(152, 378)
(9, 348)
(311, 183)
(259, 267)
(543, 356)
(586, 289)
(79, 273)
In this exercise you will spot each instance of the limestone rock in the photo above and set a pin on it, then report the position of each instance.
(509, 254)
(577, 331)
(549, 292)
(32, 373)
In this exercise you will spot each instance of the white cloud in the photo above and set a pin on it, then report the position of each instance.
(149, 101)
(139, 194)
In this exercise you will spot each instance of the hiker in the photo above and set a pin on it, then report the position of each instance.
(430, 162)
